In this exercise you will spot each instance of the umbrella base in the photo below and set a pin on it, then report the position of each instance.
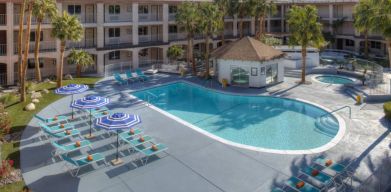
(116, 161)
(88, 136)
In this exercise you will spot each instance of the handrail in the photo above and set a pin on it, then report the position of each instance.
(148, 95)
(333, 111)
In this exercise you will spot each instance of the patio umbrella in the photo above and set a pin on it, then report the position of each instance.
(90, 102)
(116, 122)
(71, 89)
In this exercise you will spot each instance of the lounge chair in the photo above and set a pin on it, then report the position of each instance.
(74, 166)
(126, 134)
(61, 135)
(292, 182)
(324, 180)
(119, 79)
(147, 152)
(65, 149)
(56, 128)
(130, 77)
(336, 170)
(142, 75)
(51, 120)
(135, 141)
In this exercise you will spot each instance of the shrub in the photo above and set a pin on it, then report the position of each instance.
(5, 122)
(9, 98)
(387, 110)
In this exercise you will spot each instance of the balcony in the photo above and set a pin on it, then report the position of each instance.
(149, 17)
(116, 43)
(117, 18)
(177, 36)
(86, 18)
(3, 49)
(45, 46)
(3, 19)
(150, 38)
(84, 44)
(33, 20)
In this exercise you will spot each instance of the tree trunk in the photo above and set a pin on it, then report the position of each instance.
(389, 50)
(241, 27)
(188, 50)
(192, 56)
(36, 51)
(261, 26)
(26, 54)
(366, 44)
(303, 63)
(20, 40)
(78, 70)
(222, 34)
(60, 65)
(207, 75)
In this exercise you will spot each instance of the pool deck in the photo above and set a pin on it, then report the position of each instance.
(195, 162)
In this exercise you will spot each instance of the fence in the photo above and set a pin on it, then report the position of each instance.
(120, 67)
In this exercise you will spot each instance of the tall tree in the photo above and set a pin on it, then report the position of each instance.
(20, 49)
(224, 7)
(381, 21)
(260, 9)
(174, 52)
(363, 13)
(65, 28)
(187, 16)
(210, 24)
(81, 59)
(240, 8)
(41, 9)
(26, 52)
(306, 31)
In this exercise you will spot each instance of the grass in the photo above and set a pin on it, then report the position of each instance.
(21, 118)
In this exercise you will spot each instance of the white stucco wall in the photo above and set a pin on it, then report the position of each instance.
(293, 57)
(224, 70)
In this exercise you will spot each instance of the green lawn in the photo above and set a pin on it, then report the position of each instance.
(21, 118)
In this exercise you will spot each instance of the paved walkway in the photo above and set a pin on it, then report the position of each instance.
(195, 162)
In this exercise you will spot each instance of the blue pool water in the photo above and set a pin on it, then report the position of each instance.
(333, 79)
(260, 121)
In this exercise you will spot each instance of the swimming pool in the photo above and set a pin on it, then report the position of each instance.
(334, 79)
(256, 122)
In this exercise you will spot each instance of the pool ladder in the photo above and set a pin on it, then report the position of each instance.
(148, 96)
(344, 107)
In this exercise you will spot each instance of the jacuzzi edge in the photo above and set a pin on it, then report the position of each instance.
(327, 146)
(313, 78)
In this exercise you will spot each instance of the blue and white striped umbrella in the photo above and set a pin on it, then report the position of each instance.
(71, 89)
(90, 102)
(117, 121)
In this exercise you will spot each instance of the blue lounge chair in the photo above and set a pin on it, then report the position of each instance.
(126, 134)
(56, 128)
(142, 75)
(74, 166)
(119, 79)
(134, 141)
(336, 170)
(147, 152)
(60, 149)
(130, 77)
(291, 182)
(324, 180)
(52, 120)
(61, 135)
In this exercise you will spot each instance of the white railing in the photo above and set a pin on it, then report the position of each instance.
(86, 18)
(45, 46)
(3, 19)
(89, 43)
(149, 17)
(33, 20)
(177, 36)
(118, 43)
(3, 49)
(111, 18)
(149, 38)
(119, 67)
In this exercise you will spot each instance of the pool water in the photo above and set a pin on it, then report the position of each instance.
(259, 121)
(333, 79)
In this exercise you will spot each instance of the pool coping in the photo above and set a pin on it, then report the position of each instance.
(334, 141)
(313, 78)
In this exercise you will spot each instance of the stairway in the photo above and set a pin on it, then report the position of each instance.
(352, 92)
(327, 124)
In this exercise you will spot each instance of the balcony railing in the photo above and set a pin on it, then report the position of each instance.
(117, 43)
(33, 20)
(3, 19)
(149, 17)
(3, 49)
(117, 19)
(84, 44)
(45, 46)
(150, 38)
(177, 36)
(86, 18)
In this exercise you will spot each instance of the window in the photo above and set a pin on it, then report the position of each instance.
(375, 45)
(114, 9)
(31, 63)
(349, 43)
(114, 32)
(32, 36)
(143, 31)
(172, 29)
(115, 55)
(143, 9)
(172, 9)
(74, 9)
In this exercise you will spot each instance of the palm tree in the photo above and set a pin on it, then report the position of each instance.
(41, 9)
(306, 31)
(20, 52)
(224, 7)
(381, 21)
(363, 13)
(26, 52)
(239, 8)
(187, 16)
(210, 24)
(81, 58)
(65, 28)
(174, 52)
(260, 9)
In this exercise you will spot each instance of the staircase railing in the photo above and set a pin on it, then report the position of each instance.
(344, 107)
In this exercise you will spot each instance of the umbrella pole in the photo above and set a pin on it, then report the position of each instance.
(90, 125)
(117, 145)
(72, 107)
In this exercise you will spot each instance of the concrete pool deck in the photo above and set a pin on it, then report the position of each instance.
(195, 162)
